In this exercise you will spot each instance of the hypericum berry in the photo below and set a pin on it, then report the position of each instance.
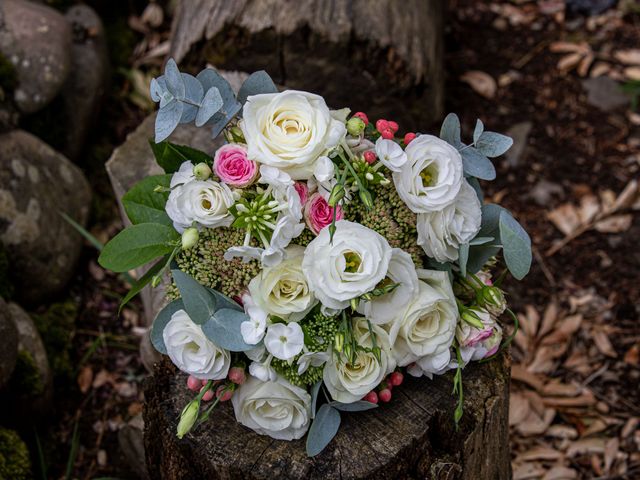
(362, 116)
(237, 375)
(193, 383)
(355, 126)
(385, 395)
(224, 393)
(393, 126)
(371, 397)
(387, 134)
(208, 395)
(381, 125)
(369, 156)
(396, 379)
(409, 137)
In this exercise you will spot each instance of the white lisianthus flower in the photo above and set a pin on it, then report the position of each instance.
(402, 271)
(205, 203)
(431, 365)
(391, 154)
(191, 351)
(282, 290)
(353, 264)
(183, 175)
(428, 325)
(253, 330)
(284, 341)
(311, 359)
(348, 382)
(277, 408)
(441, 233)
(289, 130)
(432, 177)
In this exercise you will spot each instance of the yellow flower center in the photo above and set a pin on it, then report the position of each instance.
(429, 176)
(353, 262)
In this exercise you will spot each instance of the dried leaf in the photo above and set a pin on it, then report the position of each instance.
(519, 408)
(543, 362)
(630, 427)
(568, 47)
(611, 449)
(586, 399)
(589, 208)
(583, 67)
(530, 321)
(528, 471)
(533, 424)
(632, 356)
(632, 73)
(556, 388)
(549, 318)
(615, 223)
(598, 425)
(539, 453)
(627, 197)
(85, 378)
(601, 339)
(569, 62)
(482, 83)
(599, 69)
(586, 445)
(628, 57)
(560, 473)
(565, 329)
(566, 218)
(519, 373)
(562, 431)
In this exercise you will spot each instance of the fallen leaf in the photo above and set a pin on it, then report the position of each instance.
(519, 408)
(586, 399)
(587, 445)
(482, 83)
(615, 223)
(521, 374)
(589, 208)
(569, 62)
(560, 473)
(599, 69)
(528, 471)
(565, 329)
(630, 427)
(628, 57)
(539, 453)
(610, 453)
(101, 458)
(632, 73)
(628, 196)
(102, 377)
(549, 318)
(85, 378)
(556, 388)
(534, 424)
(566, 218)
(562, 431)
(596, 426)
(566, 47)
(585, 63)
(601, 339)
(632, 356)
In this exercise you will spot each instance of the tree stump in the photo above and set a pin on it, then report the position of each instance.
(383, 57)
(411, 437)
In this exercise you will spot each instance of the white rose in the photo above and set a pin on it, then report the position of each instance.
(191, 351)
(441, 233)
(348, 382)
(278, 409)
(353, 264)
(432, 176)
(282, 290)
(431, 365)
(428, 324)
(289, 130)
(391, 154)
(183, 175)
(384, 308)
(206, 203)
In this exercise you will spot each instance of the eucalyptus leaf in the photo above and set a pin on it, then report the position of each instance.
(479, 255)
(223, 329)
(476, 186)
(476, 164)
(463, 258)
(493, 144)
(450, 130)
(168, 119)
(170, 155)
(225, 302)
(144, 205)
(137, 245)
(359, 406)
(315, 390)
(516, 246)
(490, 219)
(323, 429)
(211, 103)
(193, 96)
(139, 284)
(477, 131)
(160, 322)
(211, 78)
(173, 79)
(481, 240)
(199, 303)
(257, 83)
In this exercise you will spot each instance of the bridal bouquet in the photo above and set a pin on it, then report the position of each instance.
(315, 257)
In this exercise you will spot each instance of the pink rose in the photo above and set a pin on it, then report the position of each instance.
(233, 167)
(303, 191)
(318, 214)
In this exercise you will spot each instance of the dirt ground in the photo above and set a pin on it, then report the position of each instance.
(574, 406)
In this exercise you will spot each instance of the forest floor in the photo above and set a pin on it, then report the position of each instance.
(574, 402)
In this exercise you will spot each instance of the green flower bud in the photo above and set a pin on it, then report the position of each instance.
(355, 126)
(188, 418)
(472, 318)
(366, 199)
(190, 238)
(155, 280)
(337, 194)
(338, 342)
(236, 133)
(202, 171)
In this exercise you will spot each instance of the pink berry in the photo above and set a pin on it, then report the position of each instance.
(193, 383)
(385, 395)
(208, 395)
(369, 156)
(408, 138)
(224, 393)
(371, 397)
(387, 133)
(382, 125)
(396, 379)
(237, 375)
(204, 382)
(393, 126)
(362, 116)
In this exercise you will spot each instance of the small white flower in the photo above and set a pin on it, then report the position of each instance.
(324, 169)
(274, 176)
(311, 359)
(205, 203)
(257, 353)
(263, 370)
(253, 330)
(284, 341)
(183, 175)
(390, 154)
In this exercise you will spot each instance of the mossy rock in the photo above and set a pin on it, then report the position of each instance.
(8, 77)
(15, 463)
(57, 328)
(26, 379)
(6, 288)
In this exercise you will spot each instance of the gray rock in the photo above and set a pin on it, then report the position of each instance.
(605, 93)
(36, 39)
(9, 350)
(520, 134)
(85, 88)
(544, 191)
(36, 185)
(131, 443)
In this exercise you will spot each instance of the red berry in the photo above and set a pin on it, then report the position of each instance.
(369, 156)
(362, 116)
(408, 138)
(385, 395)
(382, 125)
(237, 375)
(208, 395)
(371, 397)
(393, 126)
(387, 133)
(193, 383)
(224, 393)
(396, 379)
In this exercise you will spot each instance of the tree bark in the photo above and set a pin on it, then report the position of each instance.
(383, 57)
(411, 437)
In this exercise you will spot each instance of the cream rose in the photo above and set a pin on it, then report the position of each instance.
(431, 178)
(290, 130)
(283, 290)
(205, 203)
(191, 351)
(441, 233)
(276, 408)
(353, 264)
(348, 382)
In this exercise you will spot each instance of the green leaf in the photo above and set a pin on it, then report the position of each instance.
(225, 302)
(144, 205)
(490, 219)
(476, 186)
(479, 255)
(476, 164)
(314, 397)
(359, 406)
(170, 155)
(137, 245)
(144, 280)
(83, 231)
(450, 130)
(223, 329)
(258, 82)
(478, 131)
(161, 320)
(516, 246)
(493, 144)
(199, 303)
(463, 258)
(323, 429)
(481, 240)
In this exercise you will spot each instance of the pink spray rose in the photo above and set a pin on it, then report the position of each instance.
(303, 191)
(318, 214)
(233, 167)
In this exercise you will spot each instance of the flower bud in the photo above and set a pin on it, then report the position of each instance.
(188, 418)
(493, 299)
(190, 238)
(338, 342)
(409, 137)
(237, 375)
(362, 116)
(337, 194)
(369, 156)
(202, 171)
(471, 317)
(236, 134)
(366, 199)
(155, 281)
(224, 393)
(355, 126)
